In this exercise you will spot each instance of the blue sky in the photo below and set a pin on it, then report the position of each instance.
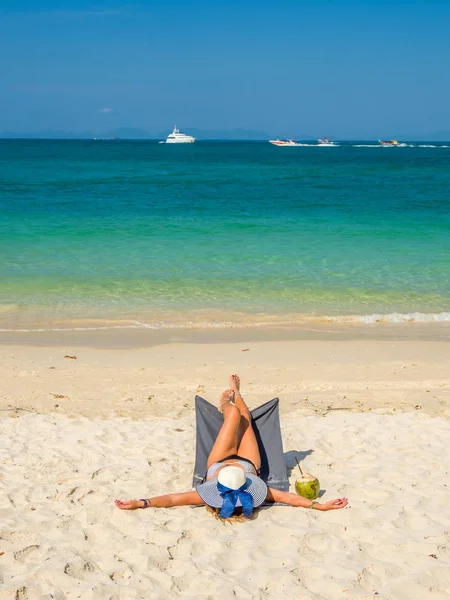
(353, 68)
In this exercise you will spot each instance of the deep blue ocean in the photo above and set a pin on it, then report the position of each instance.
(136, 233)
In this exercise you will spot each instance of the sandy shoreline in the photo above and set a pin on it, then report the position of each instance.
(311, 375)
(370, 418)
(130, 337)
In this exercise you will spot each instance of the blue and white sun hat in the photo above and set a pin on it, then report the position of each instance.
(233, 488)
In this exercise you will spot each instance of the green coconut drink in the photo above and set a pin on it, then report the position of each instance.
(307, 485)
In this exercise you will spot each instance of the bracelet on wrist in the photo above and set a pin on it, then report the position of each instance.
(146, 503)
(312, 503)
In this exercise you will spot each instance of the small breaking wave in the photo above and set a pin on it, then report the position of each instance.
(415, 317)
(246, 322)
(68, 328)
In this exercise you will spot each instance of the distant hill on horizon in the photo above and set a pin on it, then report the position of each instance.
(220, 134)
(132, 133)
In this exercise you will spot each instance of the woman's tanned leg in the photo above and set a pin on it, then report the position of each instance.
(247, 444)
(227, 440)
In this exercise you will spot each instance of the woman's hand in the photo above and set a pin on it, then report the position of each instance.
(334, 504)
(129, 504)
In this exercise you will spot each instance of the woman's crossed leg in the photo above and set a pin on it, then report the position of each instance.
(236, 435)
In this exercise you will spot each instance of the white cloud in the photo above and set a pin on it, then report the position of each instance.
(105, 110)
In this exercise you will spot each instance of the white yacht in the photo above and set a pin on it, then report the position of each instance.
(176, 137)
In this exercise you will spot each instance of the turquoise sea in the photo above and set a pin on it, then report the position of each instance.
(139, 234)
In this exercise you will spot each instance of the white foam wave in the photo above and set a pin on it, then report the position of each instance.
(374, 145)
(137, 325)
(415, 317)
(384, 146)
(399, 146)
(292, 320)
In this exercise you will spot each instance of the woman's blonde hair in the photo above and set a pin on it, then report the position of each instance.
(237, 517)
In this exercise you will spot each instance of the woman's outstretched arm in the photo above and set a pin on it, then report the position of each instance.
(295, 500)
(167, 501)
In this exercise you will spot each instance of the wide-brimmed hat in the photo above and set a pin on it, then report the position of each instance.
(232, 478)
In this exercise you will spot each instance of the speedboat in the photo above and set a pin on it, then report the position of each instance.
(389, 143)
(325, 142)
(283, 142)
(176, 137)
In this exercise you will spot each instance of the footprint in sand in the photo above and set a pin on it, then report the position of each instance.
(120, 576)
(80, 571)
(22, 555)
(441, 587)
(79, 495)
(14, 593)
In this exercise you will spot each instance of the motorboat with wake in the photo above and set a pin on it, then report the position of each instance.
(389, 143)
(283, 143)
(325, 142)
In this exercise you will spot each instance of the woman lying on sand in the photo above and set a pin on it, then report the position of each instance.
(232, 485)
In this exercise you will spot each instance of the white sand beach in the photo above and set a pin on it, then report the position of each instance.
(370, 419)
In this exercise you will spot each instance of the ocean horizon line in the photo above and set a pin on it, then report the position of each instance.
(115, 136)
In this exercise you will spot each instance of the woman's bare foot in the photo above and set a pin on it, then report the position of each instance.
(235, 383)
(226, 398)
